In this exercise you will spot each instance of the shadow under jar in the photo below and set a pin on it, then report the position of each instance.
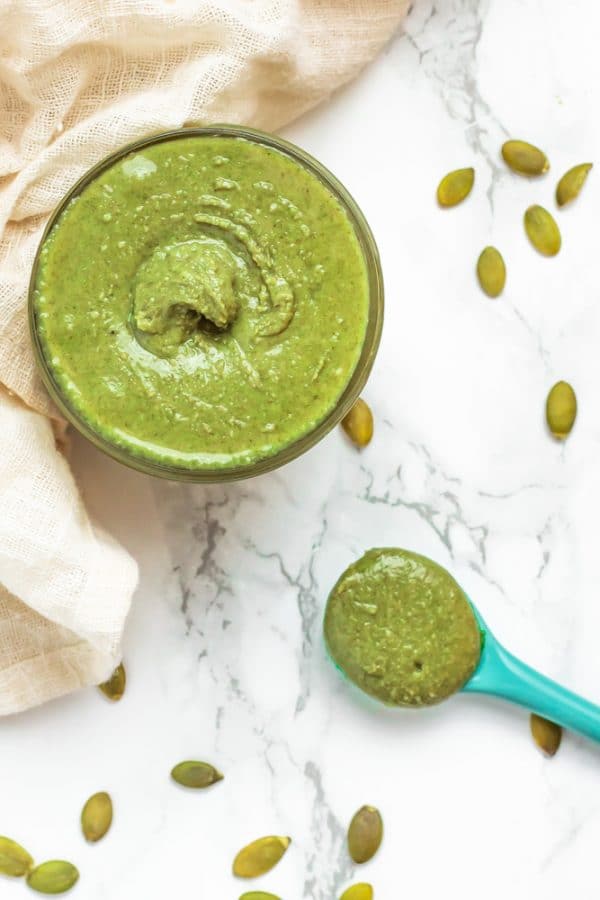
(206, 304)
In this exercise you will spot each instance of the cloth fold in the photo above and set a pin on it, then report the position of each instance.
(78, 79)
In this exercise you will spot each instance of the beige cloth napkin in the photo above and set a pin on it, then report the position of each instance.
(79, 78)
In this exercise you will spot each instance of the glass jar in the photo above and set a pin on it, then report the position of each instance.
(362, 368)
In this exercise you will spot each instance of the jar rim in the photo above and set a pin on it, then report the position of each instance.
(361, 370)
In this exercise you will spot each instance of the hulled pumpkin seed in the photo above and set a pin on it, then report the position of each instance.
(194, 774)
(358, 424)
(546, 734)
(96, 816)
(258, 895)
(455, 187)
(561, 409)
(491, 272)
(15, 861)
(54, 877)
(542, 230)
(360, 891)
(571, 183)
(365, 834)
(114, 688)
(260, 856)
(524, 158)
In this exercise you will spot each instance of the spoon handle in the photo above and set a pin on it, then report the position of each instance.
(503, 675)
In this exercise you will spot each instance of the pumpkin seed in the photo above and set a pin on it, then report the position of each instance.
(258, 895)
(571, 183)
(365, 834)
(524, 158)
(358, 424)
(491, 272)
(96, 816)
(542, 230)
(15, 861)
(114, 688)
(455, 187)
(193, 774)
(546, 734)
(54, 877)
(561, 409)
(360, 891)
(260, 856)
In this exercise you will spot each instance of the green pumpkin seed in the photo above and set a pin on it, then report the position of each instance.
(542, 230)
(561, 409)
(114, 688)
(524, 158)
(358, 424)
(546, 734)
(455, 187)
(15, 861)
(360, 891)
(258, 895)
(571, 183)
(96, 816)
(491, 272)
(54, 877)
(365, 834)
(194, 774)
(260, 856)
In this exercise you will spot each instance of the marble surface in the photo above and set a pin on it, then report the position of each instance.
(223, 647)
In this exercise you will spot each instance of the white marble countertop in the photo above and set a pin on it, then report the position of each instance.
(223, 648)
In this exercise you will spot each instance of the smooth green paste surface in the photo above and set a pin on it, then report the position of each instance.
(203, 302)
(402, 629)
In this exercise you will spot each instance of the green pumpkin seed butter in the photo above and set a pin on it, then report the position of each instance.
(402, 629)
(202, 302)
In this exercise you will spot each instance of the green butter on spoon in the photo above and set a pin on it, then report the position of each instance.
(403, 630)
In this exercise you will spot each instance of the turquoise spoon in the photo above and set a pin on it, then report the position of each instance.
(501, 674)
